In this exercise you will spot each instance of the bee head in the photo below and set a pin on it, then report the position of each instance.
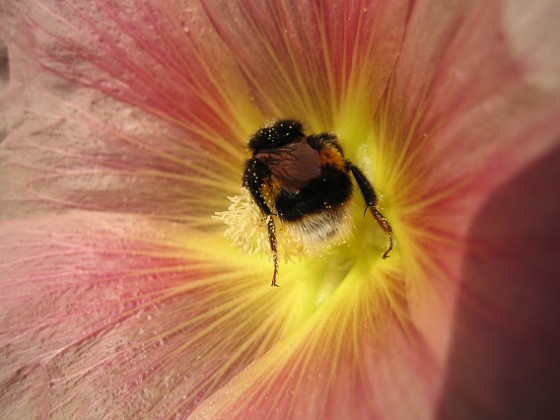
(278, 134)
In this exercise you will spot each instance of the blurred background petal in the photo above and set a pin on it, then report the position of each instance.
(503, 360)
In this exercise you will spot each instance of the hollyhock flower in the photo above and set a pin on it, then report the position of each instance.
(124, 132)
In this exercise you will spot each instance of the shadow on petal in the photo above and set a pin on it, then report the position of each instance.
(503, 361)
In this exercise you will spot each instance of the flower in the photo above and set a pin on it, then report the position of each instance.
(125, 127)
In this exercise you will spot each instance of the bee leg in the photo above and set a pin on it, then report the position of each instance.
(384, 224)
(254, 179)
(273, 248)
(371, 200)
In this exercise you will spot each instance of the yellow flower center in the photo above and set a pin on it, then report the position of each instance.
(314, 274)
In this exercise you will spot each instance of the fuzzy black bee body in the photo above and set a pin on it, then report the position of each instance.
(305, 181)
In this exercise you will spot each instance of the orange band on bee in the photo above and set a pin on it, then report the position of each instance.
(331, 157)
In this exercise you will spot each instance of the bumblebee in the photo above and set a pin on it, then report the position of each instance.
(304, 180)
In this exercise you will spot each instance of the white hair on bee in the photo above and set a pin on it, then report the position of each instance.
(311, 236)
(317, 233)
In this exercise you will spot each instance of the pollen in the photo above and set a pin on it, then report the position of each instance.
(247, 229)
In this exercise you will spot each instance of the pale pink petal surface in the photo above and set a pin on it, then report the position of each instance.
(120, 316)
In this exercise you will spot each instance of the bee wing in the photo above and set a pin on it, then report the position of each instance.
(294, 164)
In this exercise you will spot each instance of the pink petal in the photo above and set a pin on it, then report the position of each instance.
(206, 93)
(72, 159)
(77, 148)
(337, 366)
(158, 57)
(109, 315)
(311, 60)
(483, 112)
(471, 111)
